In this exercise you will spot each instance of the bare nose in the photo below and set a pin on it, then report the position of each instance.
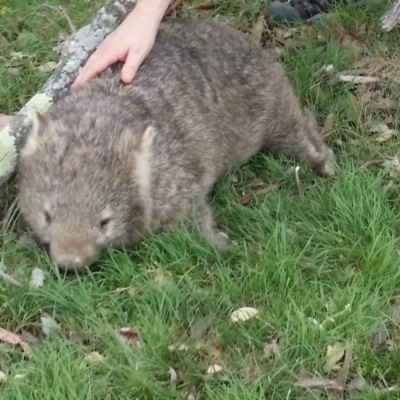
(69, 261)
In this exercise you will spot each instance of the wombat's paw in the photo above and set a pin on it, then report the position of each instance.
(222, 240)
(328, 167)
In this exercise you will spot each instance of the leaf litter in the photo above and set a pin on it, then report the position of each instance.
(14, 339)
(200, 326)
(333, 355)
(91, 358)
(337, 386)
(49, 325)
(243, 314)
(3, 377)
(37, 278)
(272, 347)
(129, 336)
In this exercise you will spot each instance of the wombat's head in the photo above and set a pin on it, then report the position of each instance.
(80, 194)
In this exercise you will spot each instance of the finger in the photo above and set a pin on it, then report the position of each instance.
(95, 64)
(132, 64)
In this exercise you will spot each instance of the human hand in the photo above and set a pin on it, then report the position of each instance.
(131, 42)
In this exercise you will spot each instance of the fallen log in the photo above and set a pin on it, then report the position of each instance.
(76, 50)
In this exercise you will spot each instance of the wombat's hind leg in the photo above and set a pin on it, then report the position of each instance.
(305, 145)
(208, 228)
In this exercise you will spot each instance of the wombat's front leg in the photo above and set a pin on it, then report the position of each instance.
(208, 228)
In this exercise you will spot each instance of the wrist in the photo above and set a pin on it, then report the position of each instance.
(152, 10)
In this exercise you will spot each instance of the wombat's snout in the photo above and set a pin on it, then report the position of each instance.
(72, 258)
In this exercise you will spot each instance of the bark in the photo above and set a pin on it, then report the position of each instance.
(74, 53)
(391, 17)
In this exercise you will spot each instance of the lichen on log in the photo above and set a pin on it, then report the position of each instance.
(75, 52)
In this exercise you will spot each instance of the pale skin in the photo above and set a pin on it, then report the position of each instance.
(130, 42)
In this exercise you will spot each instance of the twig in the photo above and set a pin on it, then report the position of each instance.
(8, 215)
(174, 6)
(205, 7)
(9, 279)
(370, 162)
(298, 184)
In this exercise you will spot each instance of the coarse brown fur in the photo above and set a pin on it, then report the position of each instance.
(112, 163)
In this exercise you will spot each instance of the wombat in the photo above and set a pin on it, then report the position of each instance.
(111, 163)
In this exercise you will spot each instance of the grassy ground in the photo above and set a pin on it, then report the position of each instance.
(320, 270)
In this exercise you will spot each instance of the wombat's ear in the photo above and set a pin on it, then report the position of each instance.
(135, 139)
(39, 124)
(146, 139)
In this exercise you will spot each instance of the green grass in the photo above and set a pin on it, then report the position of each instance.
(333, 254)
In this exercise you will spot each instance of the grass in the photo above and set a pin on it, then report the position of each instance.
(333, 254)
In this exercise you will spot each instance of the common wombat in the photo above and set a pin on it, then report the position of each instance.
(112, 163)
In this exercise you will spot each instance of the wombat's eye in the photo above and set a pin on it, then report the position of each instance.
(104, 222)
(47, 217)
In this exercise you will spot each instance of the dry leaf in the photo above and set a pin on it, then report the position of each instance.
(14, 339)
(13, 71)
(200, 326)
(393, 165)
(214, 352)
(214, 369)
(328, 124)
(3, 40)
(173, 378)
(385, 136)
(37, 278)
(395, 314)
(29, 338)
(159, 277)
(179, 347)
(20, 376)
(385, 133)
(243, 314)
(47, 67)
(17, 55)
(340, 34)
(359, 383)
(49, 325)
(130, 336)
(272, 348)
(309, 30)
(3, 377)
(91, 358)
(363, 63)
(333, 354)
(258, 28)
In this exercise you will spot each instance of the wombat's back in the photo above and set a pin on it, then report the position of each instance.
(209, 91)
